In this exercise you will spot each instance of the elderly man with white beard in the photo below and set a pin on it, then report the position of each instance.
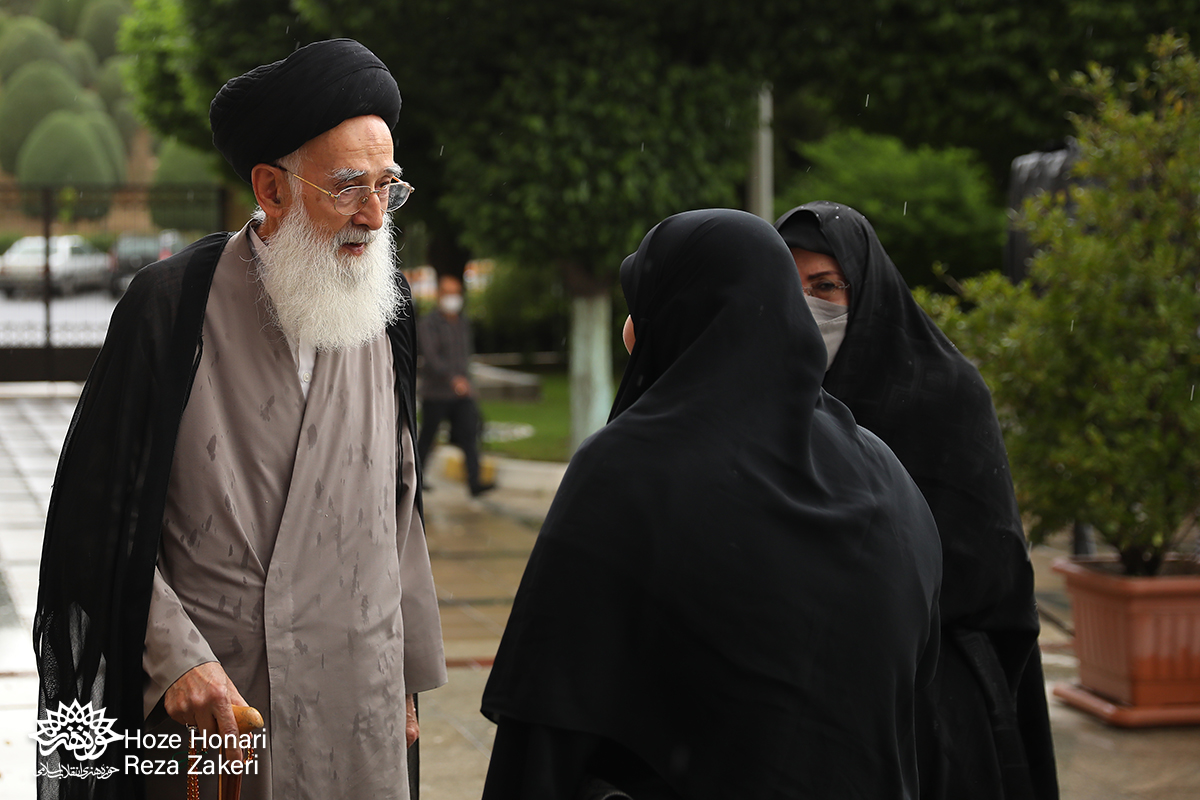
(236, 518)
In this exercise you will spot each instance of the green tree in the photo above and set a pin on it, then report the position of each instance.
(26, 40)
(65, 150)
(99, 24)
(573, 159)
(84, 65)
(110, 81)
(62, 14)
(184, 184)
(1094, 360)
(974, 73)
(163, 77)
(109, 137)
(126, 121)
(32, 93)
(926, 205)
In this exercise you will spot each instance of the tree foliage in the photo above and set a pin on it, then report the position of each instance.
(32, 93)
(61, 14)
(25, 40)
(574, 158)
(1094, 360)
(82, 58)
(974, 73)
(110, 81)
(183, 51)
(99, 24)
(65, 149)
(184, 183)
(926, 205)
(110, 139)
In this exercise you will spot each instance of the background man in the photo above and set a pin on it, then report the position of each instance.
(237, 517)
(446, 391)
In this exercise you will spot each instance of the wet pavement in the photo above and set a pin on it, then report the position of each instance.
(478, 550)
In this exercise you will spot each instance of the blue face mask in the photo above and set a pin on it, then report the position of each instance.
(831, 320)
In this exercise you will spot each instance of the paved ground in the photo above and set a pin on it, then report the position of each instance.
(478, 551)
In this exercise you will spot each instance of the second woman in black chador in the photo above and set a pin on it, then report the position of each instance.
(984, 727)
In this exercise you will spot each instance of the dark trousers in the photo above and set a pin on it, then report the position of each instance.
(464, 432)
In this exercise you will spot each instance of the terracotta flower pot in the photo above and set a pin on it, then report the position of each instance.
(1138, 644)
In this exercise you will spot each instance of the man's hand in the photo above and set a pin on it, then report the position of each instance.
(461, 386)
(204, 697)
(412, 730)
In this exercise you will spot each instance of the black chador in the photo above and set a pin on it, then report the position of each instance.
(734, 591)
(985, 728)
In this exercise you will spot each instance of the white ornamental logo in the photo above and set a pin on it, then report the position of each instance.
(78, 729)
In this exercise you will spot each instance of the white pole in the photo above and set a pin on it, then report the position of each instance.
(761, 189)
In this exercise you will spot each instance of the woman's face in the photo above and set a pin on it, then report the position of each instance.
(627, 334)
(819, 273)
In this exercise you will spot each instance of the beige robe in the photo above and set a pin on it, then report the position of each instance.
(286, 557)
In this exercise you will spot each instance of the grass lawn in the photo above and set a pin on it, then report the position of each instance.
(550, 418)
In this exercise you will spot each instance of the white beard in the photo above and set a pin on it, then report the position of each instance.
(320, 295)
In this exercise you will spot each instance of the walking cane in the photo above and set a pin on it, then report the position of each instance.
(229, 787)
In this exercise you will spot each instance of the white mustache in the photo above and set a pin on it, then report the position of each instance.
(354, 236)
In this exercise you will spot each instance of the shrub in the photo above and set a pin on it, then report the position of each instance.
(522, 310)
(185, 189)
(26, 40)
(62, 14)
(1094, 359)
(82, 58)
(34, 92)
(65, 149)
(87, 100)
(110, 139)
(99, 23)
(126, 121)
(926, 205)
(110, 81)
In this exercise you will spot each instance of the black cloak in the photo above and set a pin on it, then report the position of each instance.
(734, 591)
(987, 728)
(105, 513)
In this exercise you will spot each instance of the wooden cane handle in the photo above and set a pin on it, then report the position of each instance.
(247, 718)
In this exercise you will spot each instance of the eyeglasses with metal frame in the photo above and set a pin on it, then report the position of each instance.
(349, 201)
(825, 289)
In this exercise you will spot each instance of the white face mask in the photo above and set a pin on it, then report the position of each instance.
(831, 320)
(450, 303)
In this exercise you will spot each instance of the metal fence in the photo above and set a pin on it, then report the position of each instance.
(68, 253)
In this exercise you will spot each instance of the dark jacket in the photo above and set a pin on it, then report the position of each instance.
(445, 346)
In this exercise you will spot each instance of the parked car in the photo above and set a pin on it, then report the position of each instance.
(74, 265)
(132, 251)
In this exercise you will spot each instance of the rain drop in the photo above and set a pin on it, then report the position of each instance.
(441, 150)
(643, 147)
(1193, 397)
(905, 214)
(868, 101)
(1072, 326)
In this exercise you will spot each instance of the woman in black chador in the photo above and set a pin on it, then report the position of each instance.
(734, 593)
(984, 730)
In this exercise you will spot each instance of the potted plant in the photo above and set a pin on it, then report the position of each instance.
(1094, 363)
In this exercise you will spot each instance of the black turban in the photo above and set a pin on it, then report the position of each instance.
(273, 109)
(802, 230)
